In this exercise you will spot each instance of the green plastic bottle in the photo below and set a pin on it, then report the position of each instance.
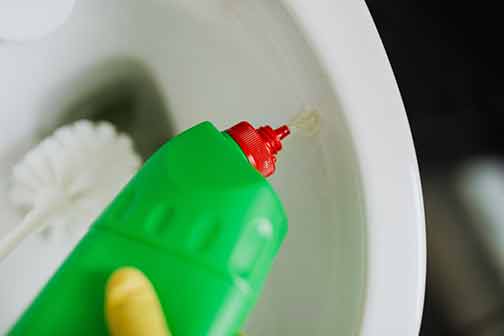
(199, 219)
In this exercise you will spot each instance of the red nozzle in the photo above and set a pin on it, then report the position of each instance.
(259, 145)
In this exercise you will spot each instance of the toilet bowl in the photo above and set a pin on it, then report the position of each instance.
(354, 259)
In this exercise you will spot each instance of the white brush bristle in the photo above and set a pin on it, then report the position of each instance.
(75, 172)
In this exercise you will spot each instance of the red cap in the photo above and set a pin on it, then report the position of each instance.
(259, 145)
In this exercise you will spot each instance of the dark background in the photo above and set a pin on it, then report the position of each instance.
(447, 60)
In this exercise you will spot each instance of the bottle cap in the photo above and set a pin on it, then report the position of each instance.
(259, 145)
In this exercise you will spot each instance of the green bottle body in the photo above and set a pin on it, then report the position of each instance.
(197, 219)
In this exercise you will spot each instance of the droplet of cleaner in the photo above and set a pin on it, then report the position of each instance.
(306, 122)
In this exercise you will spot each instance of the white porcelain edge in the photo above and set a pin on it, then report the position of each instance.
(358, 67)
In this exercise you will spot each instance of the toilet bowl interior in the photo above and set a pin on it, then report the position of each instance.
(157, 67)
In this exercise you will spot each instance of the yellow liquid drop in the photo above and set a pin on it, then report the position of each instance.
(306, 122)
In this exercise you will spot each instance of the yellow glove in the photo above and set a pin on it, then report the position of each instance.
(131, 305)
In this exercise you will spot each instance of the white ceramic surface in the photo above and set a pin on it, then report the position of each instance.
(354, 259)
(28, 19)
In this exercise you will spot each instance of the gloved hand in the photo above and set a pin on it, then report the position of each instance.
(131, 305)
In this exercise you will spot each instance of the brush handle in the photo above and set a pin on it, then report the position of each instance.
(32, 221)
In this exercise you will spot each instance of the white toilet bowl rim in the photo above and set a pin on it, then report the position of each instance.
(347, 43)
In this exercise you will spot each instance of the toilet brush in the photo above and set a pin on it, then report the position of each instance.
(69, 178)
